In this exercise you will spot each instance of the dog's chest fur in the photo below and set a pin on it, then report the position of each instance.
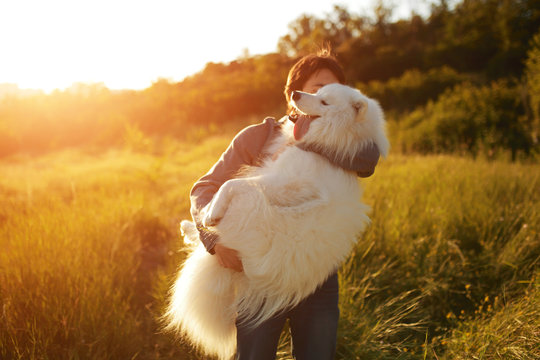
(287, 164)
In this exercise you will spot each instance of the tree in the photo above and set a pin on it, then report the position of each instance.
(488, 36)
(308, 33)
(533, 83)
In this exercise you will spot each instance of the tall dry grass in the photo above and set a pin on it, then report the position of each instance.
(452, 242)
(84, 240)
(448, 268)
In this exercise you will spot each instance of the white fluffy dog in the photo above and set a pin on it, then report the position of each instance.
(293, 221)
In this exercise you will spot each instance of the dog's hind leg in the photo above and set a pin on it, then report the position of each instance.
(296, 197)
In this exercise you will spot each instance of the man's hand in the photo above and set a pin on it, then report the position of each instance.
(228, 258)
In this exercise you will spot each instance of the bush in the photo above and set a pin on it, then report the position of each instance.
(470, 120)
(413, 88)
(533, 83)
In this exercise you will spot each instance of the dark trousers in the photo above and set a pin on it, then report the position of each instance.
(313, 325)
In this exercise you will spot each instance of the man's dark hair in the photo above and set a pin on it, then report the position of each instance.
(309, 65)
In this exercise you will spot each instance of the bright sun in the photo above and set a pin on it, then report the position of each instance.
(124, 44)
(54, 43)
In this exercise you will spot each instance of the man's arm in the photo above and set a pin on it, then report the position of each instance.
(245, 149)
(362, 163)
(365, 160)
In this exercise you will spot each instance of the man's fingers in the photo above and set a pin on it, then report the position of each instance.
(235, 265)
(228, 258)
(239, 267)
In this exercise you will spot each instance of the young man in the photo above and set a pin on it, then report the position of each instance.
(314, 321)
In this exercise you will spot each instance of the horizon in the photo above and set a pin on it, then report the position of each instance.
(130, 45)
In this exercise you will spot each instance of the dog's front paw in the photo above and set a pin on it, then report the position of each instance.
(213, 214)
(210, 219)
(220, 203)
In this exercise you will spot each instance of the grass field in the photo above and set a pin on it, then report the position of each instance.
(89, 244)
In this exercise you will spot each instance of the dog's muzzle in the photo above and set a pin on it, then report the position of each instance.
(293, 117)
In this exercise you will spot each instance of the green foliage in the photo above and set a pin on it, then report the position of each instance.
(413, 88)
(469, 120)
(533, 82)
(307, 33)
(486, 36)
(92, 115)
(244, 87)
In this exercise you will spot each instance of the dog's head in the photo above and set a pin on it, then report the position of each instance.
(341, 119)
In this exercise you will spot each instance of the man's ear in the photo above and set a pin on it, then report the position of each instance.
(360, 106)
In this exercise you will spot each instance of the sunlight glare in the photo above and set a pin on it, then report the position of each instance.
(129, 44)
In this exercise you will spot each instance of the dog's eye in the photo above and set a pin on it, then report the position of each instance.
(324, 102)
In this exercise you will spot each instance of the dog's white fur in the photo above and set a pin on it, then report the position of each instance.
(293, 221)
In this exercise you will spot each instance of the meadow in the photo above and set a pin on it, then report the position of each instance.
(448, 269)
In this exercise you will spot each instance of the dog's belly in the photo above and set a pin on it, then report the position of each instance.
(245, 219)
(287, 250)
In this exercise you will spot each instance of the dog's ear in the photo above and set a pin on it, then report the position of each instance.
(360, 106)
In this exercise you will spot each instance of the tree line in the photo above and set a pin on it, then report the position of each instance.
(465, 79)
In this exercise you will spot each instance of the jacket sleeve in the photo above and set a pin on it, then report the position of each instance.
(362, 163)
(245, 149)
(365, 161)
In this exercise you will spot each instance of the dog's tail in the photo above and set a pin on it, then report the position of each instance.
(201, 303)
(189, 232)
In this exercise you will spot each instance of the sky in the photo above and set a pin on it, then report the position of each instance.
(128, 44)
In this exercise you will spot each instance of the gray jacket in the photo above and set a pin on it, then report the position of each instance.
(248, 148)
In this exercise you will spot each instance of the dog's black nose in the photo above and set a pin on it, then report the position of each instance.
(296, 95)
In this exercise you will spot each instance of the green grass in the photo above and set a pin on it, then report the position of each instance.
(85, 242)
(449, 236)
(448, 268)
